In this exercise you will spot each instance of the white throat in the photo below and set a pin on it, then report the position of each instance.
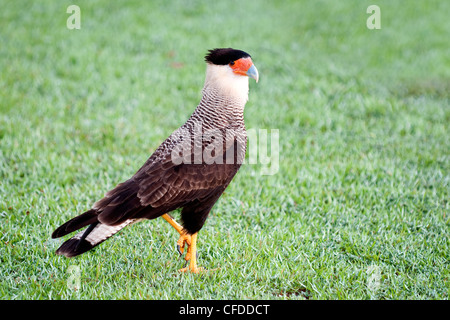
(226, 82)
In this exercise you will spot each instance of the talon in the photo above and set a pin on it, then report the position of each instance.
(190, 241)
(191, 254)
(182, 241)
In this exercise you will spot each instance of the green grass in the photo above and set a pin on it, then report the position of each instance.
(363, 117)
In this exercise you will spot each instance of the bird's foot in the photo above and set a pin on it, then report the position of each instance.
(191, 252)
(194, 270)
(185, 239)
(192, 267)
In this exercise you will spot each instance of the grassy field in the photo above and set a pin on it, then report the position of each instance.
(359, 208)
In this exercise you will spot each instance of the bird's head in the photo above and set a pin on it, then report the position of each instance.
(229, 69)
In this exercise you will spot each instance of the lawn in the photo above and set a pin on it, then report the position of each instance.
(358, 208)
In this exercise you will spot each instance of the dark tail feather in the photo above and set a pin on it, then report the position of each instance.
(76, 223)
(85, 240)
(74, 247)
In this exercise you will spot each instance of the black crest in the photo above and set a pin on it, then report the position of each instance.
(224, 56)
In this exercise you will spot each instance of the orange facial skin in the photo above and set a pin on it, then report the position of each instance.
(241, 66)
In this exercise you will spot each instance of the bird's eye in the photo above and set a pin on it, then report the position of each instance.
(232, 63)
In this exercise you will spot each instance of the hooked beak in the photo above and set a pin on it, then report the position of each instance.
(252, 72)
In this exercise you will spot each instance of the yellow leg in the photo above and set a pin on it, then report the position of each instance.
(185, 238)
(192, 256)
(172, 222)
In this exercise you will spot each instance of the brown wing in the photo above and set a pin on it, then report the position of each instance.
(162, 185)
(168, 182)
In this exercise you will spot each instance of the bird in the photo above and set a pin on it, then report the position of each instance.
(189, 171)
